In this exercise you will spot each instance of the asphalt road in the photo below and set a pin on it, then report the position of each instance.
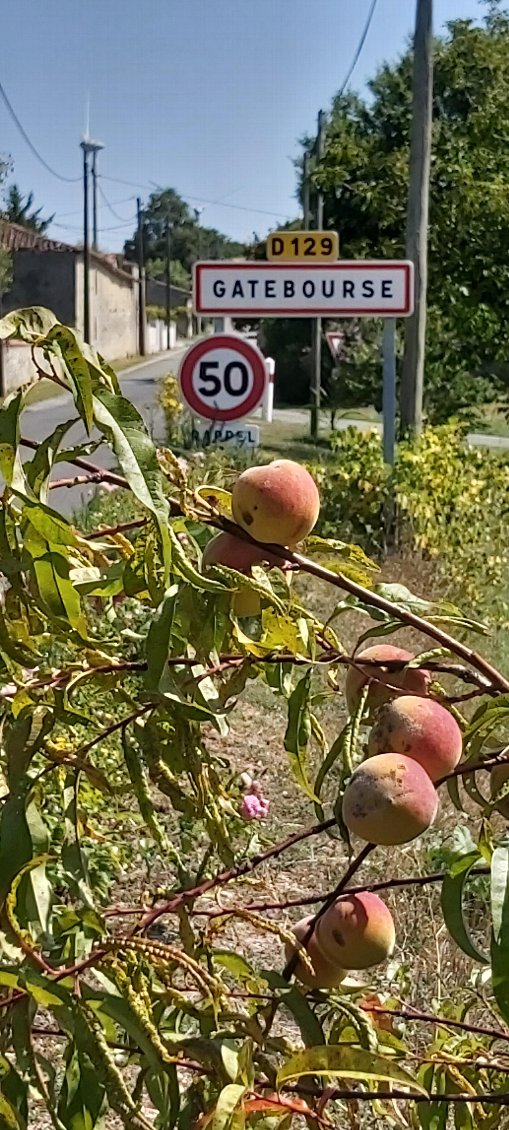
(140, 384)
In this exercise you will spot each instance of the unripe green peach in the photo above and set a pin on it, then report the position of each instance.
(499, 776)
(412, 680)
(421, 728)
(326, 974)
(278, 502)
(389, 800)
(357, 931)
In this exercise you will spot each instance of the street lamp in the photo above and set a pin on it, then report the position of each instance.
(89, 147)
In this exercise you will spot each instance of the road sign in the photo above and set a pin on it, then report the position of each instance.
(224, 435)
(334, 341)
(223, 378)
(349, 289)
(305, 245)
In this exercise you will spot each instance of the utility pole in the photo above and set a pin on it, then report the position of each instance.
(94, 200)
(305, 193)
(197, 216)
(86, 246)
(317, 323)
(89, 147)
(412, 374)
(141, 281)
(168, 284)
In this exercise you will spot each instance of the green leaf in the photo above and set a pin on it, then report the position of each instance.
(122, 424)
(39, 468)
(164, 1092)
(82, 1100)
(9, 435)
(298, 732)
(500, 922)
(75, 370)
(348, 1063)
(451, 898)
(29, 324)
(9, 1117)
(228, 1114)
(15, 840)
(294, 1000)
(14, 1090)
(159, 638)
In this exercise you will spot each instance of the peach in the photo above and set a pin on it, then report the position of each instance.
(422, 729)
(499, 776)
(326, 974)
(225, 549)
(389, 799)
(357, 931)
(278, 502)
(411, 680)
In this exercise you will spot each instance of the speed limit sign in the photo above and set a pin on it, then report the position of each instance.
(223, 378)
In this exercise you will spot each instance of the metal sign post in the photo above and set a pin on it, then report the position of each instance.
(389, 389)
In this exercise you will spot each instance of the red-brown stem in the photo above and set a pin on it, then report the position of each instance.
(237, 872)
(339, 581)
(464, 768)
(310, 900)
(110, 531)
(86, 465)
(77, 481)
(442, 1021)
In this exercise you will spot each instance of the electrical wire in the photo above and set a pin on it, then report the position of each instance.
(200, 199)
(360, 46)
(31, 146)
(103, 196)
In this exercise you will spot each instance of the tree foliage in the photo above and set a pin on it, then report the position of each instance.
(121, 663)
(364, 176)
(189, 241)
(18, 209)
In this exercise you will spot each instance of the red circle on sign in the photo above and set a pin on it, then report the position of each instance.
(249, 353)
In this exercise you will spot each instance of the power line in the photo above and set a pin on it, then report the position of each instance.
(113, 227)
(201, 199)
(362, 41)
(31, 146)
(110, 206)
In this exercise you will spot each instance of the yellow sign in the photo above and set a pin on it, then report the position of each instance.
(309, 246)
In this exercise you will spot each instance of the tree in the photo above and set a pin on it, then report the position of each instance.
(17, 211)
(123, 665)
(189, 240)
(365, 173)
(364, 176)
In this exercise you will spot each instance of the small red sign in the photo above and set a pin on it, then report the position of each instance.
(334, 341)
(223, 378)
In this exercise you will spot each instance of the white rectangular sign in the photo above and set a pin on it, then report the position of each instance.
(226, 435)
(356, 289)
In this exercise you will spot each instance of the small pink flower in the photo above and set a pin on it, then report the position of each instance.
(254, 807)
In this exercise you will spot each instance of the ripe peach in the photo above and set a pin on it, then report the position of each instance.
(278, 502)
(357, 930)
(500, 776)
(411, 680)
(389, 799)
(420, 728)
(225, 549)
(326, 974)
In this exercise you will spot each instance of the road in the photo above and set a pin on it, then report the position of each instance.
(140, 384)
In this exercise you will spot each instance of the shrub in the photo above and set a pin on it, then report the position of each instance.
(451, 502)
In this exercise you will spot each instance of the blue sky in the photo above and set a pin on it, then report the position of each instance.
(208, 96)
